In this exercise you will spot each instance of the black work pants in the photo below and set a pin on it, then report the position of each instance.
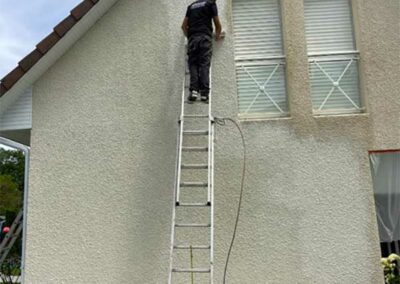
(200, 53)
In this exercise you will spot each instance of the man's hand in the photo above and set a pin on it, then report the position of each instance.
(185, 26)
(221, 36)
(218, 28)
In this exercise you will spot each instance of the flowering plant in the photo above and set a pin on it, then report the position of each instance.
(390, 269)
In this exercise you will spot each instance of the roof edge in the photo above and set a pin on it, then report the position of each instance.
(43, 47)
(44, 62)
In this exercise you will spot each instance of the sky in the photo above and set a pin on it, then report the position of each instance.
(24, 23)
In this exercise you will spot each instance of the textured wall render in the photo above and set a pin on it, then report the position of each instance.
(103, 165)
(379, 44)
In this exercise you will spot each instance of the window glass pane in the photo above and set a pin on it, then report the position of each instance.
(12, 197)
(385, 169)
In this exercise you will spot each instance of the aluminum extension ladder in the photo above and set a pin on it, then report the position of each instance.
(11, 237)
(192, 230)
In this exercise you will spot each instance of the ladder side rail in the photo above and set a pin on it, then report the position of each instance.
(181, 126)
(184, 82)
(212, 205)
(12, 229)
(177, 175)
(10, 237)
(173, 209)
(209, 141)
(11, 241)
(210, 178)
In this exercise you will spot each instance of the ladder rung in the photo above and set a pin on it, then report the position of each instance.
(195, 132)
(194, 184)
(182, 225)
(192, 247)
(195, 149)
(195, 116)
(194, 204)
(192, 102)
(194, 166)
(191, 270)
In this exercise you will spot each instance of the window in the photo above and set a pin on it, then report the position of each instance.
(385, 169)
(14, 171)
(259, 58)
(333, 57)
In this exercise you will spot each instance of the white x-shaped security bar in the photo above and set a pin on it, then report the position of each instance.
(262, 89)
(335, 84)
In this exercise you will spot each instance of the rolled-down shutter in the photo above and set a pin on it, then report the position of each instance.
(332, 55)
(260, 64)
(329, 26)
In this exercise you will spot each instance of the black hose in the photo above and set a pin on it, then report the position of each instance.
(221, 121)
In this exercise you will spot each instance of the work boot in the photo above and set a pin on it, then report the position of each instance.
(193, 96)
(204, 98)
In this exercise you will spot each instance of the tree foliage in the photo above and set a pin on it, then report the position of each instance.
(12, 171)
(12, 163)
(10, 196)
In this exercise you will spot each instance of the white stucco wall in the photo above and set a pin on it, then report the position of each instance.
(102, 167)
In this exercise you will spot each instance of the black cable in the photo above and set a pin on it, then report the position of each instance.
(221, 121)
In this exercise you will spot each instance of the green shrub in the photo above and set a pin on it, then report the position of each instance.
(10, 271)
(391, 269)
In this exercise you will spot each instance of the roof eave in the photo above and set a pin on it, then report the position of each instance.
(52, 53)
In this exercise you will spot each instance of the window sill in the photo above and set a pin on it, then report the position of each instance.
(341, 115)
(263, 117)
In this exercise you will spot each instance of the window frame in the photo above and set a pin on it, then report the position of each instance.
(26, 151)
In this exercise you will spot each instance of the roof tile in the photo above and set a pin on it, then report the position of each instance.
(11, 78)
(79, 11)
(48, 42)
(28, 61)
(45, 45)
(62, 28)
(3, 90)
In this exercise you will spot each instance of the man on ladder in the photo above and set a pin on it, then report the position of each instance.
(197, 27)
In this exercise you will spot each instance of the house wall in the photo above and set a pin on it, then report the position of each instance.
(102, 168)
